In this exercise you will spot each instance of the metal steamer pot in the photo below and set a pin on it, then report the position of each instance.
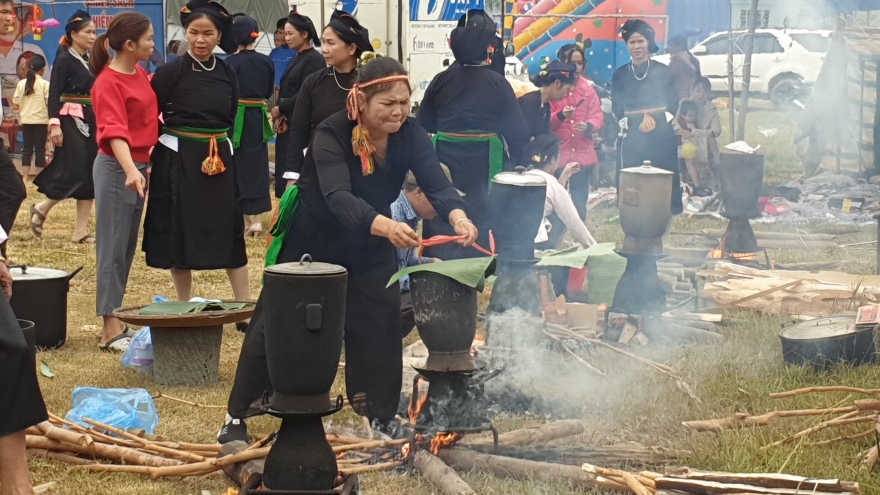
(644, 206)
(445, 311)
(516, 203)
(825, 342)
(304, 309)
(40, 295)
(741, 177)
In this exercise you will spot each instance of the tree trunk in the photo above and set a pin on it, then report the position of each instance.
(440, 475)
(504, 467)
(537, 434)
(747, 72)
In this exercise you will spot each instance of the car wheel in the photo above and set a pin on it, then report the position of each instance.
(787, 92)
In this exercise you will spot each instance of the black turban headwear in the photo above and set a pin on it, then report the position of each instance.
(217, 14)
(304, 24)
(474, 40)
(245, 29)
(77, 21)
(633, 26)
(540, 151)
(350, 31)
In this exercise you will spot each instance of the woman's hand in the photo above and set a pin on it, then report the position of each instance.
(55, 136)
(570, 169)
(275, 112)
(135, 181)
(568, 112)
(5, 280)
(401, 235)
(463, 226)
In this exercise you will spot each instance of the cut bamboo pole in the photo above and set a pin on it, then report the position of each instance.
(44, 488)
(209, 466)
(110, 452)
(744, 421)
(58, 456)
(846, 419)
(372, 468)
(842, 438)
(440, 475)
(160, 395)
(146, 444)
(63, 435)
(370, 445)
(810, 390)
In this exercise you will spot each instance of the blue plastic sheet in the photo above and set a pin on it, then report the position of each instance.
(121, 408)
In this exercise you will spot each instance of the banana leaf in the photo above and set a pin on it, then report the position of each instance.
(576, 257)
(183, 307)
(469, 271)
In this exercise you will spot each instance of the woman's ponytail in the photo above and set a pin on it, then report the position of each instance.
(35, 64)
(100, 55)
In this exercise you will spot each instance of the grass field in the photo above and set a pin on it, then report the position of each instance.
(633, 404)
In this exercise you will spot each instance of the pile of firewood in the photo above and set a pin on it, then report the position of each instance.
(104, 448)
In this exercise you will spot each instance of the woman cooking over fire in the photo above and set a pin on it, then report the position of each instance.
(300, 34)
(472, 112)
(324, 93)
(645, 98)
(193, 220)
(351, 174)
(554, 81)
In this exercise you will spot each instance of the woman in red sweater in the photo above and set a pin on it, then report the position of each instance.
(127, 113)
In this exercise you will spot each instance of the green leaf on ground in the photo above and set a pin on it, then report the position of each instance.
(45, 370)
(183, 307)
(469, 271)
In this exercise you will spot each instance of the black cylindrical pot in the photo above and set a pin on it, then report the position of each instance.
(826, 342)
(741, 177)
(517, 286)
(446, 315)
(516, 203)
(304, 307)
(40, 295)
(30, 336)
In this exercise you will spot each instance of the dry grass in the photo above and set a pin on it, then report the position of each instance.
(633, 404)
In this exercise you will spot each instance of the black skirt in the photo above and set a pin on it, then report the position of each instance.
(660, 147)
(69, 175)
(194, 221)
(20, 395)
(282, 144)
(252, 165)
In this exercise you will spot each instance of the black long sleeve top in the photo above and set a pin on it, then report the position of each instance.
(69, 76)
(304, 64)
(181, 87)
(656, 90)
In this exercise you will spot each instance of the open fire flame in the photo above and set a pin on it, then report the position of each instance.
(442, 440)
(719, 254)
(414, 410)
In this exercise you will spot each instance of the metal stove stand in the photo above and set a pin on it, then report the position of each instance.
(351, 486)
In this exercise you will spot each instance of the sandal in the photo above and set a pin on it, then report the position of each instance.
(34, 225)
(119, 343)
(86, 239)
(255, 230)
(126, 330)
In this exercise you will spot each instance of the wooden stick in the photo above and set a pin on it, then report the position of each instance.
(711, 487)
(573, 354)
(871, 458)
(160, 395)
(113, 468)
(440, 475)
(58, 456)
(743, 421)
(261, 442)
(385, 466)
(766, 480)
(846, 419)
(63, 435)
(370, 445)
(537, 434)
(505, 467)
(45, 487)
(763, 293)
(341, 439)
(628, 479)
(146, 444)
(842, 438)
(810, 390)
(662, 368)
(209, 466)
(111, 452)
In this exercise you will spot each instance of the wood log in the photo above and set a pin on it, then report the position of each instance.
(58, 456)
(146, 444)
(372, 468)
(622, 455)
(376, 444)
(505, 467)
(871, 458)
(209, 466)
(114, 468)
(745, 421)
(628, 479)
(44, 488)
(537, 434)
(699, 487)
(440, 475)
(110, 452)
(766, 480)
(63, 435)
(810, 390)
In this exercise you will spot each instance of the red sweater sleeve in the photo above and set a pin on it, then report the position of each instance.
(110, 112)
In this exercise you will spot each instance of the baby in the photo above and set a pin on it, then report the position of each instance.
(693, 148)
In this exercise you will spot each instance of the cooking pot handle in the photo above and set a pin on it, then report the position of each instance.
(73, 274)
(23, 268)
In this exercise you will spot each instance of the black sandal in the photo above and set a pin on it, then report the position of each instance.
(34, 225)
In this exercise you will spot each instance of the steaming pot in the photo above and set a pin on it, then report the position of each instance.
(304, 310)
(741, 177)
(644, 206)
(516, 203)
(446, 316)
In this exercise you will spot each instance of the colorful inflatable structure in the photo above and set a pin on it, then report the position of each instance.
(597, 20)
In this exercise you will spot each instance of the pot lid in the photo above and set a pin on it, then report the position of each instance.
(821, 328)
(306, 267)
(519, 178)
(29, 273)
(646, 169)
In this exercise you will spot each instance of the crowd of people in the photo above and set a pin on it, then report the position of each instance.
(355, 174)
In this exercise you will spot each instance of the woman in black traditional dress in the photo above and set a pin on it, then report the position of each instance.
(256, 83)
(472, 112)
(72, 131)
(300, 35)
(344, 217)
(194, 220)
(645, 99)
(324, 93)
(554, 81)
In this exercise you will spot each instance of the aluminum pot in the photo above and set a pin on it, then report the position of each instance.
(741, 177)
(304, 310)
(825, 342)
(516, 204)
(40, 295)
(645, 211)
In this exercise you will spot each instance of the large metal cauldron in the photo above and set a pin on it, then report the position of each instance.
(446, 316)
(826, 342)
(40, 295)
(741, 178)
(516, 203)
(304, 306)
(644, 208)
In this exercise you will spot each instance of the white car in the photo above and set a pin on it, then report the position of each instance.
(784, 62)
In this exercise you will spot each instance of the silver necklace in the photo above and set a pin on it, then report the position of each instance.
(633, 68)
(79, 57)
(337, 80)
(214, 66)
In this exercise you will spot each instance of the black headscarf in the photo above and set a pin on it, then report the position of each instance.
(555, 71)
(350, 31)
(245, 29)
(304, 24)
(472, 39)
(633, 26)
(77, 21)
(540, 151)
(217, 14)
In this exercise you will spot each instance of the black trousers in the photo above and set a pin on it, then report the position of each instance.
(21, 402)
(34, 144)
(579, 186)
(12, 194)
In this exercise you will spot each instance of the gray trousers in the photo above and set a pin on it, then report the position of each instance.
(118, 212)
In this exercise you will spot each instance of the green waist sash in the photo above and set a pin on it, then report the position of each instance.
(244, 104)
(200, 134)
(286, 209)
(79, 99)
(496, 147)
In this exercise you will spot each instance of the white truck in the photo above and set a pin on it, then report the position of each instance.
(416, 32)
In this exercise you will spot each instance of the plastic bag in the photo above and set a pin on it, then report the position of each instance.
(123, 408)
(139, 354)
